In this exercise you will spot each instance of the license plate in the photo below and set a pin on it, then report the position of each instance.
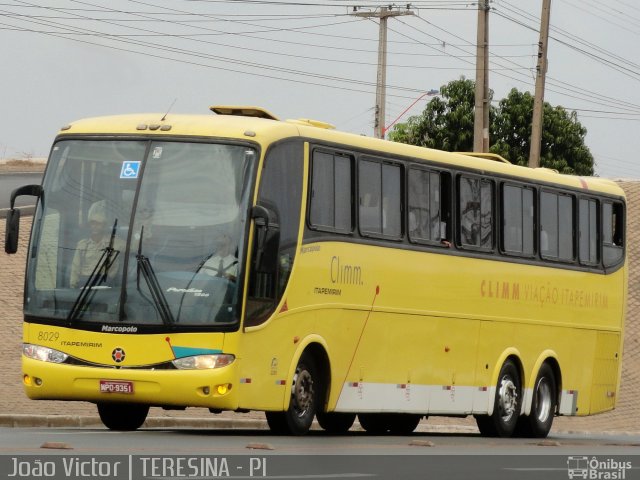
(115, 386)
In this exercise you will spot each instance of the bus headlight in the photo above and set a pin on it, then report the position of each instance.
(203, 362)
(44, 354)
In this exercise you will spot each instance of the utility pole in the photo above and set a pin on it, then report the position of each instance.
(381, 85)
(482, 106)
(541, 72)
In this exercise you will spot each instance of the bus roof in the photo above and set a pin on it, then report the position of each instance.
(233, 122)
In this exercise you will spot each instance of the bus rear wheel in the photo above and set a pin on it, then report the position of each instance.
(543, 407)
(335, 422)
(403, 423)
(374, 423)
(507, 404)
(394, 423)
(123, 416)
(305, 388)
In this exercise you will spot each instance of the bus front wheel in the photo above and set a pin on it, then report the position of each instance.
(305, 388)
(122, 416)
(507, 404)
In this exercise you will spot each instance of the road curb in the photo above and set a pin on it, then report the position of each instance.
(227, 423)
(56, 421)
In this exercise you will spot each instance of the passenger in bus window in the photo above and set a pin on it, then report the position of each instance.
(89, 251)
(223, 263)
(443, 235)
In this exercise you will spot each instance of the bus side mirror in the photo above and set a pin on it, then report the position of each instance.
(267, 239)
(12, 230)
(32, 190)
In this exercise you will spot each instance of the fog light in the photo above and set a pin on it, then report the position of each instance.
(222, 389)
(27, 380)
(206, 390)
(38, 381)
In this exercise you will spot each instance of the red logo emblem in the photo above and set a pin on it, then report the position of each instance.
(118, 355)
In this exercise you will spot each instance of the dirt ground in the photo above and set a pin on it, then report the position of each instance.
(14, 166)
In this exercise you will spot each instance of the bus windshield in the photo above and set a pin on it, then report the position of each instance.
(140, 232)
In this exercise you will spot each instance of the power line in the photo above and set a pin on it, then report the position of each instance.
(606, 57)
(571, 87)
(629, 6)
(590, 8)
(576, 93)
(173, 50)
(226, 60)
(568, 90)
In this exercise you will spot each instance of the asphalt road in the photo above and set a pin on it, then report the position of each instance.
(11, 181)
(178, 453)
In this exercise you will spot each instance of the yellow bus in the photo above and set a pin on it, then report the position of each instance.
(238, 262)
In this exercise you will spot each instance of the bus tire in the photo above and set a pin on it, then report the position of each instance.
(374, 423)
(485, 425)
(124, 417)
(543, 407)
(507, 404)
(305, 390)
(403, 423)
(277, 423)
(335, 422)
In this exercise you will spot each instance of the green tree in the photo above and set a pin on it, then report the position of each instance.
(447, 124)
(562, 148)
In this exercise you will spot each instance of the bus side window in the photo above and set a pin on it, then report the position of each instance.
(475, 213)
(380, 199)
(588, 231)
(517, 221)
(549, 225)
(612, 233)
(557, 226)
(330, 204)
(429, 212)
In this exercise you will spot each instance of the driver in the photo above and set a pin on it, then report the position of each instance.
(223, 263)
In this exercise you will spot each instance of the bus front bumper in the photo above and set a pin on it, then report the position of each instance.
(213, 388)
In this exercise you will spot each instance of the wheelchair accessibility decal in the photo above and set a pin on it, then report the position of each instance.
(130, 170)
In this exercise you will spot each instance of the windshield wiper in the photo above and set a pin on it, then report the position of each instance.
(97, 277)
(159, 300)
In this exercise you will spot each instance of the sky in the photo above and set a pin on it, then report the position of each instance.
(63, 60)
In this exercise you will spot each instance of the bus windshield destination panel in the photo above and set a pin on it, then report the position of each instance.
(239, 262)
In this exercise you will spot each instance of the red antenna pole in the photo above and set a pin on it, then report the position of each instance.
(429, 93)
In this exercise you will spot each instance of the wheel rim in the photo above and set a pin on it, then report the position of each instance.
(302, 395)
(543, 400)
(507, 398)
